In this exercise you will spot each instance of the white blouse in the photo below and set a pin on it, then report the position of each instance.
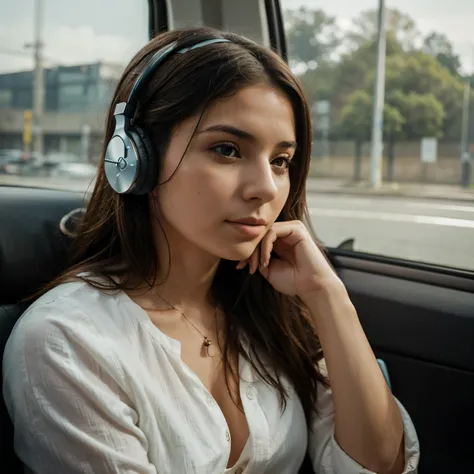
(92, 386)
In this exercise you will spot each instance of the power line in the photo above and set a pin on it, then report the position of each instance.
(27, 54)
(14, 52)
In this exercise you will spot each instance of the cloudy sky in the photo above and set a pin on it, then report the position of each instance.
(113, 30)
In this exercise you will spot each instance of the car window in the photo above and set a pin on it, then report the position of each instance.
(417, 201)
(84, 47)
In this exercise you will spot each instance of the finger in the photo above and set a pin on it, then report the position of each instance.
(254, 259)
(265, 271)
(241, 265)
(290, 232)
(266, 247)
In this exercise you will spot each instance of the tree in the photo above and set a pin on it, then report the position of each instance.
(400, 28)
(351, 72)
(312, 36)
(393, 125)
(424, 113)
(439, 46)
(419, 73)
(356, 122)
(318, 83)
(416, 86)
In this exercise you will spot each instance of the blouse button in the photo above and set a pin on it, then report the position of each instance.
(209, 400)
(250, 394)
(239, 471)
(227, 435)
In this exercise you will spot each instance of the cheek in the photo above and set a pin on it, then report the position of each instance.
(192, 197)
(281, 197)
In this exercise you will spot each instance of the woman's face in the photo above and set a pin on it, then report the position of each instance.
(234, 179)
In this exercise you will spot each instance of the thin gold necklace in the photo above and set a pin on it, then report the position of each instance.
(207, 342)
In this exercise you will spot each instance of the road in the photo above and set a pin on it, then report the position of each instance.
(433, 231)
(428, 230)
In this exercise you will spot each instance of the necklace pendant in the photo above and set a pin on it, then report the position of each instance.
(207, 344)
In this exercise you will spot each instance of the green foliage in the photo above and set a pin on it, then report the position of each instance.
(393, 124)
(439, 46)
(356, 117)
(318, 83)
(423, 87)
(400, 28)
(312, 35)
(419, 73)
(423, 114)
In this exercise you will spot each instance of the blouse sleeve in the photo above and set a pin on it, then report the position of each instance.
(326, 454)
(62, 389)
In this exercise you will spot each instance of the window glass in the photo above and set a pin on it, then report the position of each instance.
(85, 47)
(417, 201)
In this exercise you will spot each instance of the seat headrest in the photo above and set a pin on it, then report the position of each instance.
(33, 249)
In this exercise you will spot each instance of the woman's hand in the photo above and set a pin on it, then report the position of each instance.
(301, 268)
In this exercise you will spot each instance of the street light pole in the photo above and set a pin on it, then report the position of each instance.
(379, 98)
(466, 162)
(465, 155)
(38, 80)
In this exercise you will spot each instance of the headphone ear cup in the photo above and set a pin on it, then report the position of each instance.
(147, 171)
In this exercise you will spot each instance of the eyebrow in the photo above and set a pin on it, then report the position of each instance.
(245, 135)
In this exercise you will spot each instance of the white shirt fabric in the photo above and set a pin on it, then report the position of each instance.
(92, 386)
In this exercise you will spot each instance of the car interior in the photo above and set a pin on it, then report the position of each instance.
(419, 318)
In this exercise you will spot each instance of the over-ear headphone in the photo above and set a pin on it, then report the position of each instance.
(130, 164)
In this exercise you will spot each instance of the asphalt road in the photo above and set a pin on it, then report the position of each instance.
(433, 231)
(427, 230)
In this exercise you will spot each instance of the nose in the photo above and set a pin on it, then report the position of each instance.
(260, 182)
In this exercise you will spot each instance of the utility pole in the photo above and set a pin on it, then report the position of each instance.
(379, 98)
(466, 162)
(465, 155)
(38, 80)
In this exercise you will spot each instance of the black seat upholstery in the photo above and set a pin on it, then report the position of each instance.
(32, 252)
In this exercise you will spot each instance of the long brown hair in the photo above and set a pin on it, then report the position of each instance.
(115, 238)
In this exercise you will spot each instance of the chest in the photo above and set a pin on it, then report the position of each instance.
(224, 394)
(192, 425)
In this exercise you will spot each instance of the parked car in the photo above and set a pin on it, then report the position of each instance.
(16, 161)
(52, 159)
(74, 170)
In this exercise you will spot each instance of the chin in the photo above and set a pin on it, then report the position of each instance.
(240, 251)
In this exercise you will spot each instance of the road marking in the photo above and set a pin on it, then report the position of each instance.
(385, 216)
(446, 207)
(368, 202)
(333, 200)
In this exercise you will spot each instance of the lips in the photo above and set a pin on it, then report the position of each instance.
(249, 221)
(248, 226)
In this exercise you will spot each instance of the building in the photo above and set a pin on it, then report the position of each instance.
(76, 98)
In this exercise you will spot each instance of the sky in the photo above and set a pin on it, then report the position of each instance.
(116, 29)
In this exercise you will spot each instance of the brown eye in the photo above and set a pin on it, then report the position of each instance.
(227, 150)
(282, 162)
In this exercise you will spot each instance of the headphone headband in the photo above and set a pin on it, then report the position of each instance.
(128, 108)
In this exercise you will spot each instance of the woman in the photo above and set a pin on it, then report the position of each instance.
(188, 334)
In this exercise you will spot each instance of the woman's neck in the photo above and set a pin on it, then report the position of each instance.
(188, 281)
(185, 272)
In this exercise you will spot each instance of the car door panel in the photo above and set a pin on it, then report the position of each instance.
(424, 332)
